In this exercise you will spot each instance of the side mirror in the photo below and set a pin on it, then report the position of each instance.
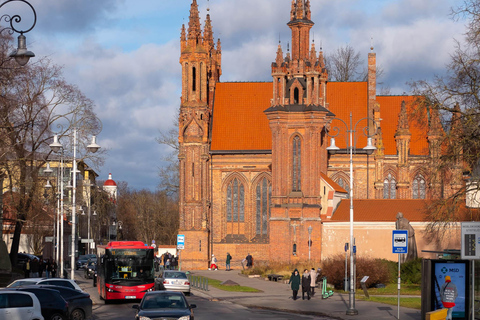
(193, 306)
(136, 306)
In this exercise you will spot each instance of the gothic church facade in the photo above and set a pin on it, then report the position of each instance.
(255, 173)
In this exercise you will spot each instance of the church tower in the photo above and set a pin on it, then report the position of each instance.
(297, 118)
(201, 69)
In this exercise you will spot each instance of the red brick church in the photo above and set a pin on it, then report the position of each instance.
(255, 173)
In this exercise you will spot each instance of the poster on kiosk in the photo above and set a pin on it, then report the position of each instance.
(458, 270)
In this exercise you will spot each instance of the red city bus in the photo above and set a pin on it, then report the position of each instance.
(125, 270)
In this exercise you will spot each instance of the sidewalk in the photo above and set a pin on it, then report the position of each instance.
(278, 296)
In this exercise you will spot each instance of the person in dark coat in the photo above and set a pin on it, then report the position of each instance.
(227, 262)
(34, 268)
(249, 259)
(306, 281)
(41, 268)
(53, 269)
(295, 283)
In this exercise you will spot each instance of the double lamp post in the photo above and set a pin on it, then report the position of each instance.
(332, 149)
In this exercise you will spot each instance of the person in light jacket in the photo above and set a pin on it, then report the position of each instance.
(313, 281)
(448, 294)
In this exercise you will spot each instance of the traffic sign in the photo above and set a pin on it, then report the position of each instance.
(400, 241)
(180, 241)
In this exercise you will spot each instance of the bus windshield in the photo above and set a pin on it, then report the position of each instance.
(129, 266)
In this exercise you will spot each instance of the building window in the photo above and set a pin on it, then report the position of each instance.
(419, 187)
(297, 164)
(389, 187)
(194, 79)
(235, 201)
(263, 195)
(342, 183)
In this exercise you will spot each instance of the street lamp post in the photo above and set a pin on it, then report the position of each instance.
(93, 147)
(332, 149)
(21, 54)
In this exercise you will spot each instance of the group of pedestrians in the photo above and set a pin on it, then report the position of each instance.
(169, 261)
(308, 282)
(34, 268)
(248, 260)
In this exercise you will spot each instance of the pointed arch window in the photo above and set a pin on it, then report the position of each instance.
(297, 164)
(235, 201)
(389, 187)
(263, 196)
(194, 79)
(345, 185)
(419, 187)
(296, 95)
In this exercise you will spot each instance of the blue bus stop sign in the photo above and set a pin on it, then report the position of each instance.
(400, 241)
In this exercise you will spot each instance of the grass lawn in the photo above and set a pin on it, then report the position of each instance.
(414, 303)
(217, 284)
(405, 289)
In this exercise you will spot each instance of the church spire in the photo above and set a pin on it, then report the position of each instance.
(300, 24)
(194, 29)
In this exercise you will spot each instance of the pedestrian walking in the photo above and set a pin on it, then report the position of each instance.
(295, 283)
(47, 268)
(53, 268)
(448, 294)
(306, 284)
(26, 268)
(213, 263)
(34, 268)
(41, 268)
(313, 282)
(227, 262)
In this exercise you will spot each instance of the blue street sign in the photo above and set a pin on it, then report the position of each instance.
(180, 241)
(400, 241)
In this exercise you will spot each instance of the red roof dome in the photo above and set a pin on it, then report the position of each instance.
(110, 181)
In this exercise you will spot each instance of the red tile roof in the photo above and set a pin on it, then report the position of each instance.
(239, 122)
(332, 183)
(380, 210)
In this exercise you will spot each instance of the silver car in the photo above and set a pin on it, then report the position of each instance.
(173, 280)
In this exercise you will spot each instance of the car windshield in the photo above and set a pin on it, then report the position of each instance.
(163, 301)
(20, 283)
(175, 275)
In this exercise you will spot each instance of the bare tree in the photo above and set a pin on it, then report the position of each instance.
(34, 100)
(454, 99)
(169, 174)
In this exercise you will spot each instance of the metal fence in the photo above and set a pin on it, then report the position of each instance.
(198, 282)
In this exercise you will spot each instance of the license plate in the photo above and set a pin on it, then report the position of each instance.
(130, 297)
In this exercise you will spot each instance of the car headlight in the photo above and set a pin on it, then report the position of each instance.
(144, 318)
(184, 318)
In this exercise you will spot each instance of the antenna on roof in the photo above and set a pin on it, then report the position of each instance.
(371, 43)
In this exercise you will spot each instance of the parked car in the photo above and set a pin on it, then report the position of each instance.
(79, 303)
(52, 304)
(83, 259)
(173, 280)
(89, 270)
(69, 283)
(19, 305)
(164, 305)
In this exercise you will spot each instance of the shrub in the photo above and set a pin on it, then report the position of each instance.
(379, 271)
(411, 271)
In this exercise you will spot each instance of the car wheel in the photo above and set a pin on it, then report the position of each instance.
(57, 316)
(77, 314)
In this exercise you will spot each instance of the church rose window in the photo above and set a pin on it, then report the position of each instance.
(263, 195)
(419, 187)
(297, 164)
(235, 201)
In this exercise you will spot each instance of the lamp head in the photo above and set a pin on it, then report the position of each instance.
(21, 54)
(93, 147)
(332, 149)
(55, 146)
(370, 147)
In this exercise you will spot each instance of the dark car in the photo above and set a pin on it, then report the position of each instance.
(23, 257)
(83, 259)
(79, 303)
(89, 270)
(164, 305)
(53, 305)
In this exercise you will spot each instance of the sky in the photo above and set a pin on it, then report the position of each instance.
(124, 55)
